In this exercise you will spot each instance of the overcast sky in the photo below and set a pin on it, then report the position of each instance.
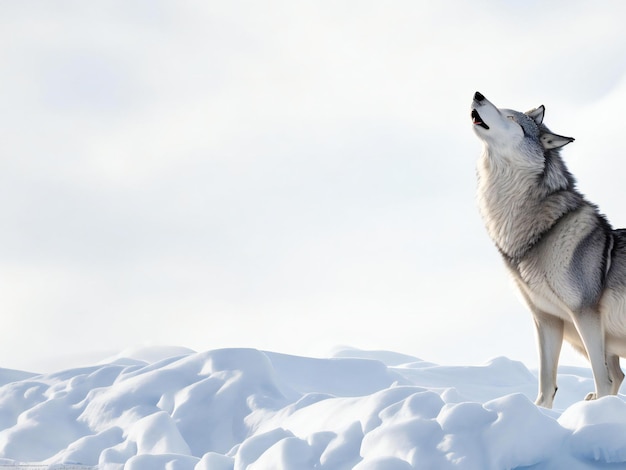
(290, 176)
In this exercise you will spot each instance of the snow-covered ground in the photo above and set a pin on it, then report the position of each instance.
(247, 409)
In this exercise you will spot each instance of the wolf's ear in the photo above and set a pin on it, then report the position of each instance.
(537, 114)
(554, 141)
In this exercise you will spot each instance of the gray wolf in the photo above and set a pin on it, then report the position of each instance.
(565, 258)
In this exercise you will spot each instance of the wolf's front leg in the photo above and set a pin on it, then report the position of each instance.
(617, 375)
(589, 326)
(549, 341)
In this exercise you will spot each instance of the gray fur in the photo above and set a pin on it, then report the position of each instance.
(567, 261)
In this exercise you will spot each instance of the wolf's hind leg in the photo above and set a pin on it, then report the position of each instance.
(549, 340)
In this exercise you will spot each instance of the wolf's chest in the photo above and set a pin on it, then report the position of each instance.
(540, 295)
(561, 273)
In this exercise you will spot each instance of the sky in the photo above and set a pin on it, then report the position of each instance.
(289, 176)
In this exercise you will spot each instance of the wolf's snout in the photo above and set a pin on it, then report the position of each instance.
(476, 119)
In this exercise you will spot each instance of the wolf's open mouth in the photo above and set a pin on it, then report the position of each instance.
(476, 119)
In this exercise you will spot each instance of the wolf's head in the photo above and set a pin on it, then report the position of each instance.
(510, 132)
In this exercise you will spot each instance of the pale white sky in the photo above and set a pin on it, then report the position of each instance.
(289, 176)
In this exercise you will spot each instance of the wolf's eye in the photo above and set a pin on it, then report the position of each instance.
(511, 118)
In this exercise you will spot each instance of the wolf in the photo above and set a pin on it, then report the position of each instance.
(564, 256)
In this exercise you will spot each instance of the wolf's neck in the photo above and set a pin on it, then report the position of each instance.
(516, 209)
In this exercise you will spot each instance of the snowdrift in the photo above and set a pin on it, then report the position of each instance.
(236, 409)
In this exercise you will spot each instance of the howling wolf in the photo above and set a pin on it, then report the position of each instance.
(566, 259)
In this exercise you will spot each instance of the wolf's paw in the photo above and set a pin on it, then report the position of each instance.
(590, 396)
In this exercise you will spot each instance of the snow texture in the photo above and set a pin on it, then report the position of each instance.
(244, 409)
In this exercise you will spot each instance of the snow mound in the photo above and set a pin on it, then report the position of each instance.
(244, 409)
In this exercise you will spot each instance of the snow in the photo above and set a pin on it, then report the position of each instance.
(245, 409)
